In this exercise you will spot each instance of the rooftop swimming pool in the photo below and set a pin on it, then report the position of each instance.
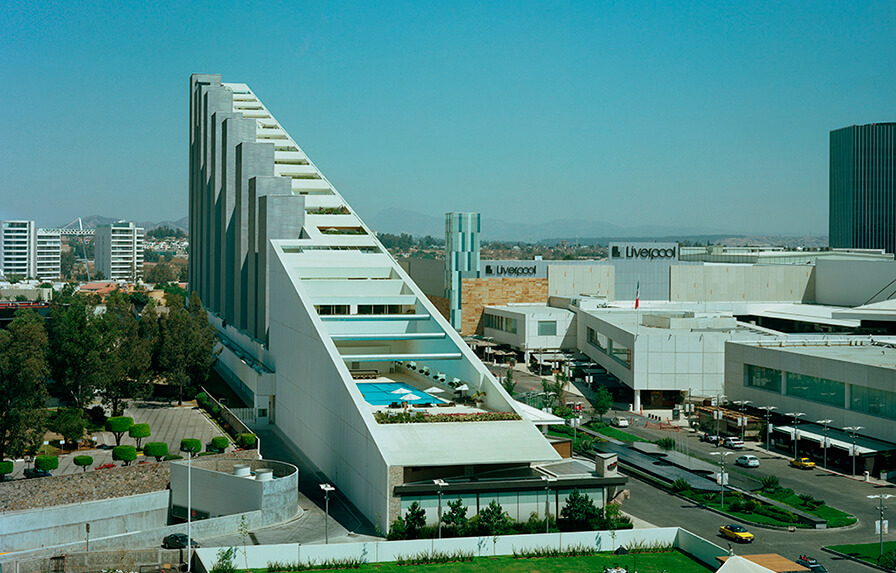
(383, 394)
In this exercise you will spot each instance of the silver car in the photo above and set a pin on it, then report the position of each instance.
(747, 461)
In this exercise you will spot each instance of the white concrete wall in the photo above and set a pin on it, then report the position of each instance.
(526, 336)
(837, 284)
(772, 283)
(214, 492)
(573, 280)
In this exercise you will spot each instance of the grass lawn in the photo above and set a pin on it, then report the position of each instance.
(865, 551)
(749, 517)
(647, 563)
(614, 433)
(834, 517)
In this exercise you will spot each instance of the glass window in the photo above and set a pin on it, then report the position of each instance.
(816, 389)
(547, 328)
(875, 402)
(762, 378)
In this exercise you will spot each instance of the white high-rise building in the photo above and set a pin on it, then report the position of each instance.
(29, 252)
(119, 251)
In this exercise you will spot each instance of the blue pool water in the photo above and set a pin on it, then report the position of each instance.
(380, 394)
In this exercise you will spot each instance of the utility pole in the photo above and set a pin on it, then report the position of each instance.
(853, 432)
(722, 475)
(825, 444)
(796, 432)
(768, 426)
(880, 525)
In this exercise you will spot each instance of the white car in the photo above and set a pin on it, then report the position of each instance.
(734, 443)
(747, 461)
(619, 422)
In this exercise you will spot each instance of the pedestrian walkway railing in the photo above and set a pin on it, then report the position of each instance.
(228, 415)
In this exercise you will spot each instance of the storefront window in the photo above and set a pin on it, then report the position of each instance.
(762, 378)
(816, 389)
(875, 402)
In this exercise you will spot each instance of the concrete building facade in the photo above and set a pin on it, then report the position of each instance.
(118, 251)
(28, 251)
(863, 187)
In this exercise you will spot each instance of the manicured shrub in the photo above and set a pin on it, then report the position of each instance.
(888, 561)
(5, 468)
(125, 454)
(680, 485)
(157, 450)
(770, 484)
(202, 399)
(191, 445)
(218, 444)
(118, 425)
(666, 444)
(215, 409)
(83, 462)
(171, 457)
(248, 440)
(46, 463)
(139, 432)
(750, 506)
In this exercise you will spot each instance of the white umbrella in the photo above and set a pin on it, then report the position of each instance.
(401, 391)
(462, 388)
(434, 390)
(409, 397)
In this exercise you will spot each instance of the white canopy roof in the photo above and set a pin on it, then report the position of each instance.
(536, 416)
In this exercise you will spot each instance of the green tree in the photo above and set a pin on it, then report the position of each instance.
(157, 450)
(493, 520)
(602, 401)
(579, 512)
(414, 519)
(67, 262)
(46, 463)
(128, 354)
(69, 422)
(666, 444)
(5, 469)
(187, 343)
(456, 517)
(23, 374)
(83, 462)
(553, 391)
(160, 273)
(508, 382)
(204, 339)
(125, 454)
(139, 432)
(76, 350)
(191, 445)
(118, 425)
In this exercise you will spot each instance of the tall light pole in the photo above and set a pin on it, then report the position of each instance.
(722, 476)
(881, 507)
(743, 420)
(188, 447)
(796, 433)
(825, 423)
(853, 431)
(441, 483)
(327, 489)
(547, 502)
(768, 426)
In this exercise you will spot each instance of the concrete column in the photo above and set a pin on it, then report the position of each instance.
(216, 99)
(637, 404)
(197, 84)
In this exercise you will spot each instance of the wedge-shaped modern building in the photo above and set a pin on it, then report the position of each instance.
(334, 346)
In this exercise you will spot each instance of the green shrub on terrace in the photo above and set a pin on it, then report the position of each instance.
(247, 440)
(46, 463)
(83, 462)
(138, 432)
(125, 454)
(5, 468)
(191, 445)
(157, 450)
(218, 444)
(202, 399)
(171, 457)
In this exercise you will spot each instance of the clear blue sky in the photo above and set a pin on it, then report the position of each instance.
(712, 114)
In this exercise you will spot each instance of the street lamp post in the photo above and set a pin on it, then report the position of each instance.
(768, 426)
(796, 433)
(327, 489)
(880, 508)
(743, 420)
(825, 423)
(188, 448)
(441, 483)
(722, 476)
(547, 502)
(853, 432)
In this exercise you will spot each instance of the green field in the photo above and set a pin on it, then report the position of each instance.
(647, 563)
(865, 551)
(834, 517)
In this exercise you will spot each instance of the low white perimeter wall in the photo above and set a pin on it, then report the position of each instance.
(61, 524)
(384, 551)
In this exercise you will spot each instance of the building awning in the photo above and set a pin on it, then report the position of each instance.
(864, 446)
(536, 416)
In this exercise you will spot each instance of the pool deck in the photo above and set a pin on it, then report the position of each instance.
(419, 384)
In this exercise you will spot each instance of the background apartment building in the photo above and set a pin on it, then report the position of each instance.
(119, 251)
(29, 252)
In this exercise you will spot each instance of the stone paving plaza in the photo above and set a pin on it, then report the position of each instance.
(169, 424)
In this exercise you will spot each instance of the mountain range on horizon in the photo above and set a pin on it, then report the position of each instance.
(397, 221)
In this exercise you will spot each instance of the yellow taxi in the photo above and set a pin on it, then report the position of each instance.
(802, 463)
(736, 532)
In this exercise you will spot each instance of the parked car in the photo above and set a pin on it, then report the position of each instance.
(747, 461)
(802, 463)
(734, 443)
(36, 473)
(736, 532)
(177, 541)
(619, 422)
(811, 564)
(711, 438)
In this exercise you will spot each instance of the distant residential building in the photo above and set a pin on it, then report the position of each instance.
(28, 251)
(119, 251)
(863, 187)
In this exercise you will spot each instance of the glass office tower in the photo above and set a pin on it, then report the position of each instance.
(462, 254)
